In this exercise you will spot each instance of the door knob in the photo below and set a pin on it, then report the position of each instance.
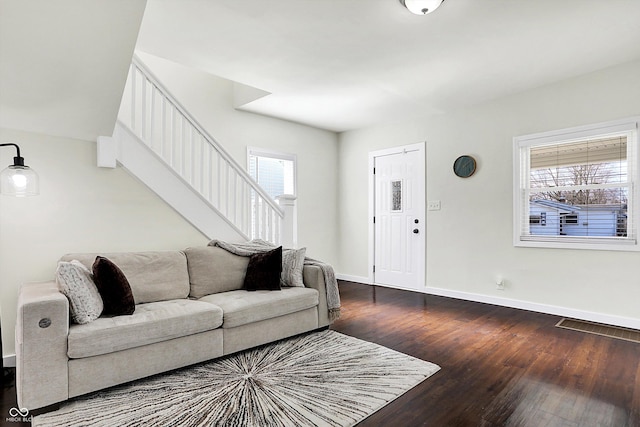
(416, 231)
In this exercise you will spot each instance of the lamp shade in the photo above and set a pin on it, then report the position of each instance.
(421, 7)
(20, 181)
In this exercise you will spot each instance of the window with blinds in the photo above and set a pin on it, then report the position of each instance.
(576, 188)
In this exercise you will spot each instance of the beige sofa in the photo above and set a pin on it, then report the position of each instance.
(189, 308)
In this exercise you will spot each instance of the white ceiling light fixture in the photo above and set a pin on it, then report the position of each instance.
(421, 7)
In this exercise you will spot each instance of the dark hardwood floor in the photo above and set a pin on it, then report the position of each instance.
(8, 401)
(500, 366)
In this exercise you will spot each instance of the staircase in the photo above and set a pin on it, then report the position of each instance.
(159, 142)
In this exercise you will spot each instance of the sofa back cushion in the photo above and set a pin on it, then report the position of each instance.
(153, 276)
(213, 270)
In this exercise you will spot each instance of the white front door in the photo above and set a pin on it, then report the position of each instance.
(399, 217)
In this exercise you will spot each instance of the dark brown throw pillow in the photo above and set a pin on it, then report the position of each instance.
(114, 288)
(263, 271)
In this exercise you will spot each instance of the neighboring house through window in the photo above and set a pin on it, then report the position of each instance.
(275, 172)
(577, 188)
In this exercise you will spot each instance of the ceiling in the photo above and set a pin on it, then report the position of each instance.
(64, 63)
(348, 64)
(332, 64)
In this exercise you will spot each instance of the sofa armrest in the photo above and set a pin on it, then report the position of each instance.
(313, 278)
(42, 328)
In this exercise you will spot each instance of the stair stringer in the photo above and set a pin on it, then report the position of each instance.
(141, 162)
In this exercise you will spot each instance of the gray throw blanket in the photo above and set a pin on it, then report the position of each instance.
(257, 246)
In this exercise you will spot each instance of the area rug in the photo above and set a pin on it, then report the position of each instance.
(319, 379)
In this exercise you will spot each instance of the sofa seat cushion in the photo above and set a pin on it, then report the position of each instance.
(242, 307)
(150, 323)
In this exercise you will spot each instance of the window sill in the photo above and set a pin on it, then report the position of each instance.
(616, 245)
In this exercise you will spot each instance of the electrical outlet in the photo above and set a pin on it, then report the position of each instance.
(433, 205)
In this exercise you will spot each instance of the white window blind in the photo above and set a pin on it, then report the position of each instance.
(582, 181)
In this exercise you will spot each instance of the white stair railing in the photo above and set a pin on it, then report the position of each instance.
(166, 128)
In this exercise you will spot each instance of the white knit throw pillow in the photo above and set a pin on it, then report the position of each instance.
(76, 283)
(292, 265)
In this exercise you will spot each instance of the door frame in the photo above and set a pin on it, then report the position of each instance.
(420, 147)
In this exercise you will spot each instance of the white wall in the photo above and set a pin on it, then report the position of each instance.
(469, 241)
(80, 208)
(210, 100)
(64, 64)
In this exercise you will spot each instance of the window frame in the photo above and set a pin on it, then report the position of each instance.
(521, 170)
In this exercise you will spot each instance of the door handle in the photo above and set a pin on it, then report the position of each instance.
(416, 231)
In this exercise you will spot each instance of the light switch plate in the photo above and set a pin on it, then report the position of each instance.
(433, 205)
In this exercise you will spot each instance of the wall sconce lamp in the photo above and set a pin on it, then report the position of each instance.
(17, 179)
(421, 7)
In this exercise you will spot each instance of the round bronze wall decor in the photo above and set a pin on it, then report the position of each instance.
(464, 166)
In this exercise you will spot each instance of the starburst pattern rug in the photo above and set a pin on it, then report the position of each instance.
(319, 379)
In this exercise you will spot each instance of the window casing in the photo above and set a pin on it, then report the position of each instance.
(577, 188)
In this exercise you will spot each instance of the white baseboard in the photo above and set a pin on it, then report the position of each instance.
(357, 279)
(9, 361)
(608, 319)
(591, 316)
